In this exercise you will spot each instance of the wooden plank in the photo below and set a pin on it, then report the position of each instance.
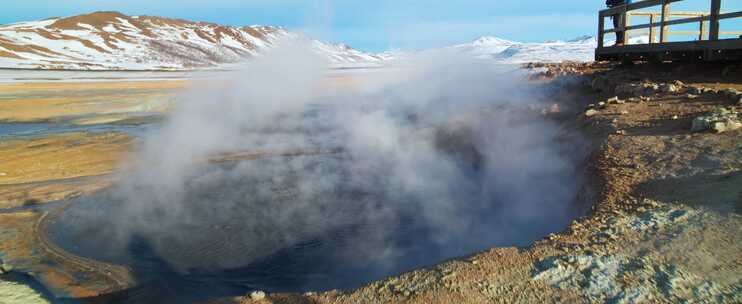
(724, 44)
(714, 21)
(635, 6)
(678, 21)
(730, 15)
(696, 33)
(663, 21)
(672, 14)
(660, 24)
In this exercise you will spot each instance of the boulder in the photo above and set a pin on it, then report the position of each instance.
(669, 88)
(600, 84)
(724, 126)
(695, 90)
(730, 93)
(720, 120)
(257, 295)
(5, 267)
(637, 89)
(708, 91)
(591, 113)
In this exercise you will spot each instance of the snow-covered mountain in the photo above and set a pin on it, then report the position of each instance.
(506, 51)
(114, 41)
(485, 46)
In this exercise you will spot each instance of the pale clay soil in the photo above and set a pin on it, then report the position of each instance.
(663, 223)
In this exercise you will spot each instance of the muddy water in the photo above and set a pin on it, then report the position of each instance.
(23, 129)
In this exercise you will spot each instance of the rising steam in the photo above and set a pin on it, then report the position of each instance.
(431, 158)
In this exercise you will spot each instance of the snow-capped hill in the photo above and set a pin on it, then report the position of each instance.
(583, 39)
(507, 51)
(111, 40)
(490, 41)
(556, 51)
(578, 49)
(485, 46)
(342, 53)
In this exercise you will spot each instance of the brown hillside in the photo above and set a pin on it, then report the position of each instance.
(96, 19)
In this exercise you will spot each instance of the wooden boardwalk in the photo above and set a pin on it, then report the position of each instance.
(705, 46)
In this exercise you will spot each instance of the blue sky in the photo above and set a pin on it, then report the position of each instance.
(369, 25)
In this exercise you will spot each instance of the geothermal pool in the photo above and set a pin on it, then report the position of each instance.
(422, 165)
(317, 222)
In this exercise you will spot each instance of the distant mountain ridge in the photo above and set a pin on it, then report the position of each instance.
(507, 51)
(114, 41)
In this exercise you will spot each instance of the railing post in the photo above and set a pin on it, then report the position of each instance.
(714, 20)
(652, 30)
(626, 23)
(665, 16)
(702, 29)
(601, 29)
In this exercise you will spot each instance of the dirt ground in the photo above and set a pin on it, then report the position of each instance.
(84, 102)
(664, 224)
(34, 170)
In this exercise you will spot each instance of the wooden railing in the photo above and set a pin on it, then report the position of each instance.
(626, 12)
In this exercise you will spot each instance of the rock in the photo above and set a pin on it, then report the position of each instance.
(637, 89)
(739, 101)
(623, 112)
(5, 267)
(653, 87)
(678, 83)
(601, 105)
(257, 295)
(708, 91)
(614, 99)
(730, 93)
(669, 88)
(724, 126)
(621, 132)
(699, 124)
(600, 84)
(695, 90)
(691, 96)
(720, 120)
(675, 117)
